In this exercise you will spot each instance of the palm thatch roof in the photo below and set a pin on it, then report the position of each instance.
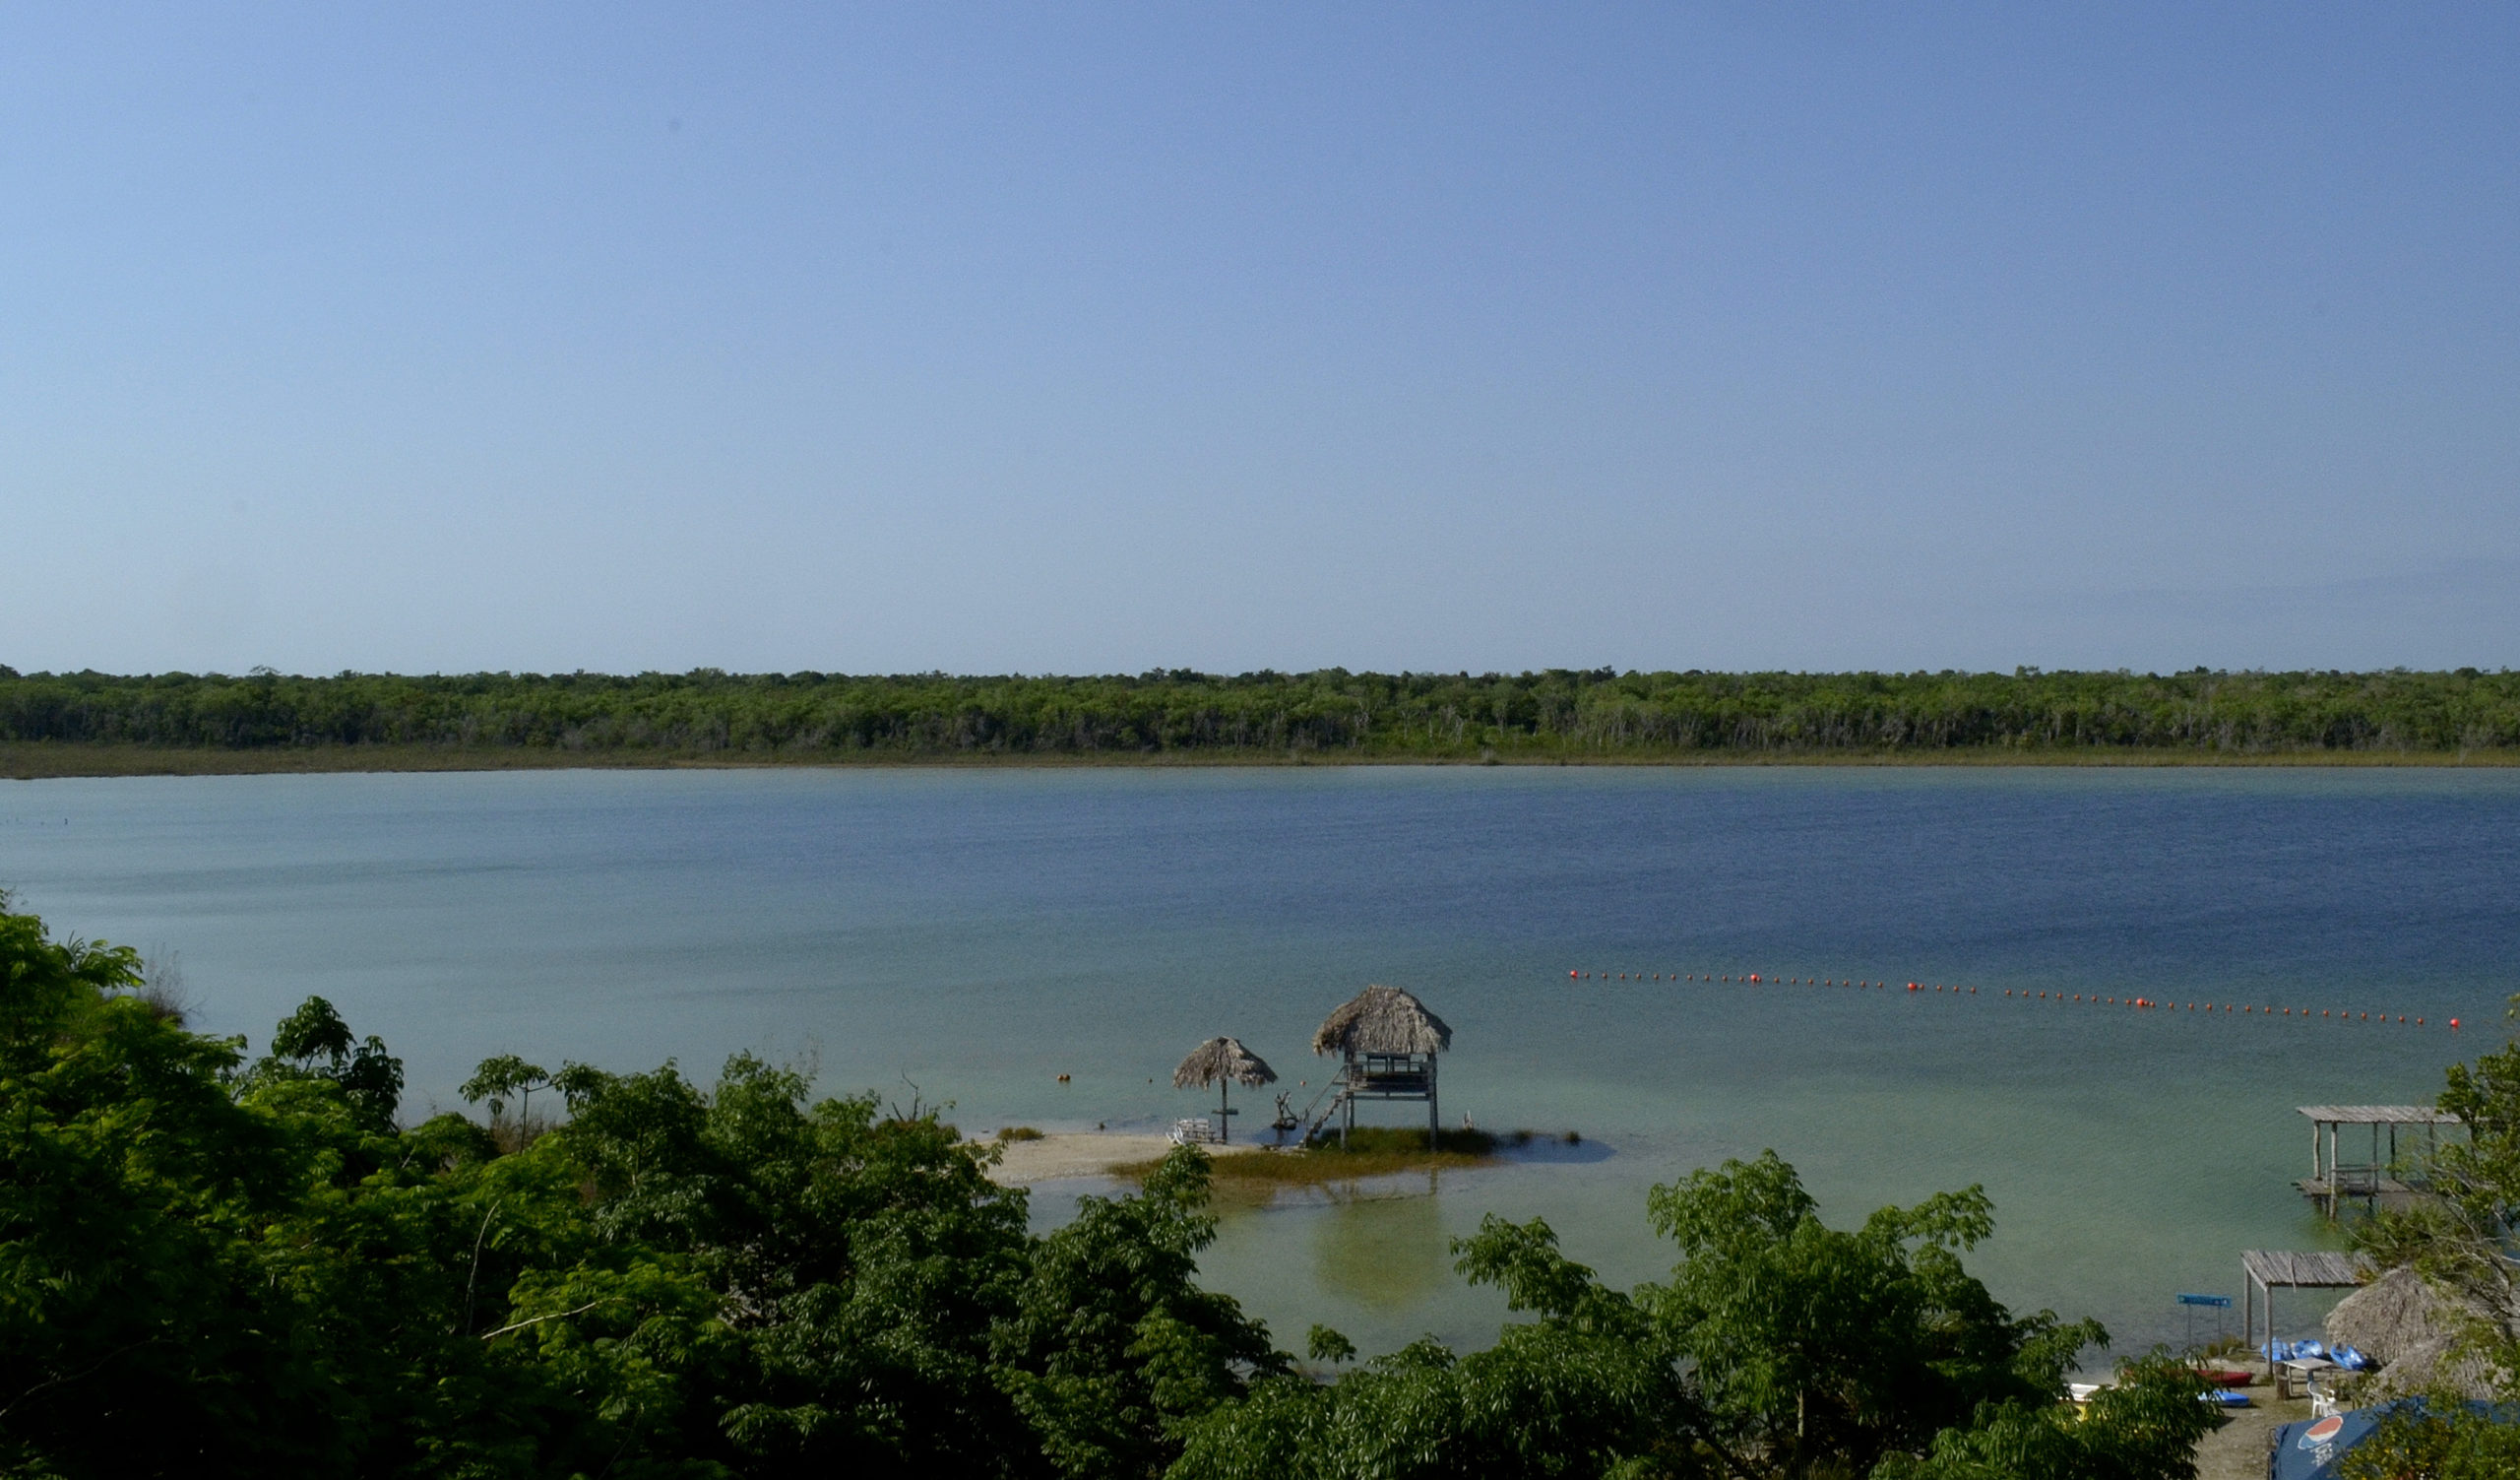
(2391, 1313)
(2430, 1366)
(1223, 1059)
(1382, 1020)
(2414, 1329)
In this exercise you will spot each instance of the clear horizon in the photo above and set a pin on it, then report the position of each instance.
(1100, 339)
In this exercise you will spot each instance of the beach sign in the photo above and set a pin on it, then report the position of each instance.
(2192, 1302)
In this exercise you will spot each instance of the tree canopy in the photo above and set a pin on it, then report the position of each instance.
(219, 1265)
(2466, 1241)
(1554, 714)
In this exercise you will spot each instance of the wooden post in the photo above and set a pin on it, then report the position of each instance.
(1348, 1102)
(1434, 1122)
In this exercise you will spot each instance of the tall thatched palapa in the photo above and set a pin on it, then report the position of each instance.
(2413, 1328)
(1387, 1042)
(1223, 1062)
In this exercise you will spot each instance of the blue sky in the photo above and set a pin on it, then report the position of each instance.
(1092, 338)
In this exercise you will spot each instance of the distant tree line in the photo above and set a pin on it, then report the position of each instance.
(1332, 713)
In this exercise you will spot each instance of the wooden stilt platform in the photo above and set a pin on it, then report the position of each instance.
(2263, 1272)
(2392, 1174)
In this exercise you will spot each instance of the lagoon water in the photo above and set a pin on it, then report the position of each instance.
(968, 936)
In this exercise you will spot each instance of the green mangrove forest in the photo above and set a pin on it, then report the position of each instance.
(222, 1262)
(218, 1262)
(52, 722)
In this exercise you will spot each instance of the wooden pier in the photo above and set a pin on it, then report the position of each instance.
(2333, 1180)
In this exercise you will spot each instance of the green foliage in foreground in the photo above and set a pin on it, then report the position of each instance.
(2467, 1244)
(2442, 1440)
(210, 1266)
(1555, 714)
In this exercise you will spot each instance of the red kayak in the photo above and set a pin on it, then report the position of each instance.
(2226, 1378)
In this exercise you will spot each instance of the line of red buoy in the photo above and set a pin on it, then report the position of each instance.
(2095, 998)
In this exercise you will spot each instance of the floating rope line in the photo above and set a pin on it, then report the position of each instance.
(2346, 1015)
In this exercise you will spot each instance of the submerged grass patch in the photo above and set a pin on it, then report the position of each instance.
(1372, 1151)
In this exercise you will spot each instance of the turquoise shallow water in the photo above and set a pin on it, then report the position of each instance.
(975, 933)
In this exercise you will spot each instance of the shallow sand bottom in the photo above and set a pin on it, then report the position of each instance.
(1089, 1153)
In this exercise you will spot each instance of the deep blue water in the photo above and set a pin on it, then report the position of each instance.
(968, 935)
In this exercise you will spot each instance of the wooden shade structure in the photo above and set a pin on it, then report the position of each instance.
(1223, 1062)
(2382, 1179)
(2263, 1272)
(1387, 1042)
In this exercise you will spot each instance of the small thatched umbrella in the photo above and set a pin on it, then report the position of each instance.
(1382, 1020)
(1223, 1062)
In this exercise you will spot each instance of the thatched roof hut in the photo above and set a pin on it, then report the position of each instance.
(1382, 1020)
(1223, 1059)
(2390, 1314)
(2413, 1329)
(2432, 1364)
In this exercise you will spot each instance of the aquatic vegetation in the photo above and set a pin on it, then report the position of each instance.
(1370, 1151)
